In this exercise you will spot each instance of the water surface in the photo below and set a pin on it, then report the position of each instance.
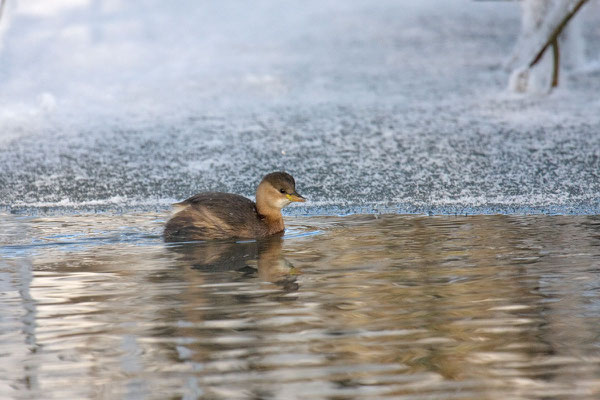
(355, 307)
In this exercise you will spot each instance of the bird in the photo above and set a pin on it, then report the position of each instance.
(217, 215)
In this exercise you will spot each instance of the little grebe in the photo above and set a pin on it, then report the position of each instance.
(225, 215)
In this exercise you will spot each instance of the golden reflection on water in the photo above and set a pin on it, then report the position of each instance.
(352, 307)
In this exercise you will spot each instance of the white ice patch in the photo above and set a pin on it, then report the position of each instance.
(536, 80)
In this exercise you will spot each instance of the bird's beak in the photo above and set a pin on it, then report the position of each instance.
(295, 197)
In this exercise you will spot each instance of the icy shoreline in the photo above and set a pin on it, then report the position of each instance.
(317, 210)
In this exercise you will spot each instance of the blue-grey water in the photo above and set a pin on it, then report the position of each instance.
(353, 307)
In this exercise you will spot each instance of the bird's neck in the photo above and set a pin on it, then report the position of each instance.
(272, 217)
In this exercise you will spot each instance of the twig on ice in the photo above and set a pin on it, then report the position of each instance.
(559, 28)
(555, 62)
(553, 41)
(2, 2)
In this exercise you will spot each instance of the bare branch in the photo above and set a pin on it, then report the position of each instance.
(2, 3)
(557, 31)
(555, 62)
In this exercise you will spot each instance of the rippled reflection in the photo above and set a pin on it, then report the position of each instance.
(262, 258)
(357, 307)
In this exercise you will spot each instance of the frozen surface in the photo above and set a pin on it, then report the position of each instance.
(372, 106)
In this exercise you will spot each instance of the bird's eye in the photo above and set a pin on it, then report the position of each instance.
(282, 190)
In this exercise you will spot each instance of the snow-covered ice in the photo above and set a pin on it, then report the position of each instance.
(372, 106)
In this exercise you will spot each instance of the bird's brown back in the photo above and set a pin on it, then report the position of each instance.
(216, 215)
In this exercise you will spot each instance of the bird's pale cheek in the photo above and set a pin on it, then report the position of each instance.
(283, 202)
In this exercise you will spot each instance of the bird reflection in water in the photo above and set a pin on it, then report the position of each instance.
(260, 258)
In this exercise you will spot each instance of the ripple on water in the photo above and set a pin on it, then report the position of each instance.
(349, 307)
